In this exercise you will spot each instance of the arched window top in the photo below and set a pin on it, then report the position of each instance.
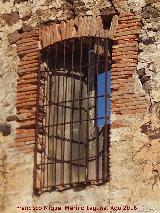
(88, 26)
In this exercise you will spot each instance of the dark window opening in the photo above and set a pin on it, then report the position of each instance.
(106, 20)
(73, 138)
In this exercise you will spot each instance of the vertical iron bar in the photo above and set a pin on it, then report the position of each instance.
(62, 139)
(64, 135)
(47, 106)
(52, 121)
(43, 140)
(49, 115)
(53, 130)
(57, 113)
(63, 118)
(54, 143)
(65, 96)
(42, 145)
(80, 102)
(43, 153)
(71, 113)
(37, 128)
(88, 95)
(96, 112)
(104, 166)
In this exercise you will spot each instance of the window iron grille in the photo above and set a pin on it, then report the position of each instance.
(71, 147)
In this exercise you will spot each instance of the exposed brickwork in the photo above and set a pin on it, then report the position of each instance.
(124, 100)
(28, 51)
(124, 62)
(78, 27)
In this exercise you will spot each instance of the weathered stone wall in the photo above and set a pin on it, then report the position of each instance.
(138, 145)
(135, 137)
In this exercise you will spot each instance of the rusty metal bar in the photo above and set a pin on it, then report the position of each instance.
(36, 128)
(77, 67)
(53, 94)
(104, 161)
(62, 127)
(96, 111)
(89, 158)
(98, 96)
(55, 117)
(90, 119)
(80, 103)
(47, 93)
(71, 114)
(69, 185)
(57, 113)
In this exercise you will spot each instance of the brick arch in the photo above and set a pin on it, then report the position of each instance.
(124, 100)
(28, 50)
(78, 27)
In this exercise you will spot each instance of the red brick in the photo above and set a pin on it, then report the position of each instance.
(22, 94)
(28, 51)
(127, 25)
(24, 132)
(27, 71)
(24, 144)
(129, 52)
(118, 124)
(26, 97)
(26, 110)
(129, 18)
(26, 100)
(124, 37)
(24, 82)
(30, 56)
(26, 103)
(26, 44)
(25, 39)
(124, 65)
(31, 61)
(27, 124)
(125, 49)
(25, 139)
(126, 57)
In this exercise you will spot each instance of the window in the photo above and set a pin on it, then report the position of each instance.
(73, 102)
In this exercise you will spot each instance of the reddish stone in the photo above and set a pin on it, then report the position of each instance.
(11, 18)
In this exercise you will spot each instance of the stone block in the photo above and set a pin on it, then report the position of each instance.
(11, 18)
(5, 128)
(14, 37)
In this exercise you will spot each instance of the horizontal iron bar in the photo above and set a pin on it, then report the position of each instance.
(55, 161)
(78, 99)
(100, 181)
(77, 38)
(75, 68)
(65, 139)
(92, 119)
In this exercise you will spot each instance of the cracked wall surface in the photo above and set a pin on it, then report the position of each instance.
(135, 145)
